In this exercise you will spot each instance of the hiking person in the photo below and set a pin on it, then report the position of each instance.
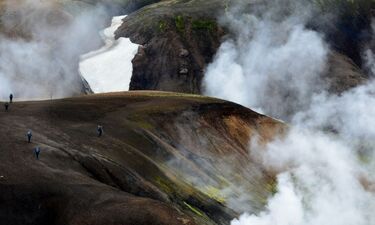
(99, 130)
(6, 105)
(29, 135)
(11, 98)
(37, 152)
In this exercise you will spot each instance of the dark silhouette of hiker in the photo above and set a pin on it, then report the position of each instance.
(37, 152)
(6, 105)
(29, 135)
(11, 98)
(99, 130)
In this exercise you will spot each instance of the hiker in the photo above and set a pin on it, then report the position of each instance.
(37, 152)
(99, 130)
(29, 135)
(6, 105)
(11, 98)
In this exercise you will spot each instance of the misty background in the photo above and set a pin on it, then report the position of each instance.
(40, 45)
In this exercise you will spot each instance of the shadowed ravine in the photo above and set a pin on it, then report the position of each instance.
(157, 162)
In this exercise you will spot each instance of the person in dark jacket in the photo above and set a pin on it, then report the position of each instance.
(29, 135)
(37, 152)
(99, 129)
(6, 105)
(11, 98)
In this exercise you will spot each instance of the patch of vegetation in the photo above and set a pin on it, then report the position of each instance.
(162, 26)
(145, 125)
(180, 23)
(214, 193)
(140, 120)
(272, 186)
(164, 185)
(194, 210)
(209, 25)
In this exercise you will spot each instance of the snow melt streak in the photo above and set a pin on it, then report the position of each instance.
(110, 68)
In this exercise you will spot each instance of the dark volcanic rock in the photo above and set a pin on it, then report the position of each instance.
(342, 73)
(132, 5)
(179, 39)
(346, 25)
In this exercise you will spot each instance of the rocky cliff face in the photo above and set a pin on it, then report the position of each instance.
(180, 38)
(163, 159)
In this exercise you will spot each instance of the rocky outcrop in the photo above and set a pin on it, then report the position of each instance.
(179, 39)
(163, 159)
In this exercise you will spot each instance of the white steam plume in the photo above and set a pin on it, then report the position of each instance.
(274, 63)
(40, 44)
(326, 161)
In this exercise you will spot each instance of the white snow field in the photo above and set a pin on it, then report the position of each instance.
(109, 68)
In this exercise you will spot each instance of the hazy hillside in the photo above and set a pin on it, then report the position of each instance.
(163, 159)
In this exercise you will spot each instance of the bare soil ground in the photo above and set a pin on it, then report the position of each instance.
(137, 172)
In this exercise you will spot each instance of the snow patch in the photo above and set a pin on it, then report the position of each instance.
(109, 68)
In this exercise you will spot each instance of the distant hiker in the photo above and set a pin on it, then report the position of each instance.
(37, 152)
(99, 130)
(11, 98)
(6, 105)
(29, 135)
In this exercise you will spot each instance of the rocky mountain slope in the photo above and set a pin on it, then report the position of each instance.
(163, 159)
(180, 38)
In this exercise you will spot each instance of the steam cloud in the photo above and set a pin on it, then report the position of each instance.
(326, 161)
(273, 65)
(40, 46)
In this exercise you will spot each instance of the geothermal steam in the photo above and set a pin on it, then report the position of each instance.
(40, 46)
(110, 68)
(273, 65)
(325, 162)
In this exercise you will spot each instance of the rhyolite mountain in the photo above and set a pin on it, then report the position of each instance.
(164, 158)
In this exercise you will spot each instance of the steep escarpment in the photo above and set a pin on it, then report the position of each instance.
(164, 158)
(180, 38)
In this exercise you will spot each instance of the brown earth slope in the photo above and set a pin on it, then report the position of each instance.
(164, 159)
